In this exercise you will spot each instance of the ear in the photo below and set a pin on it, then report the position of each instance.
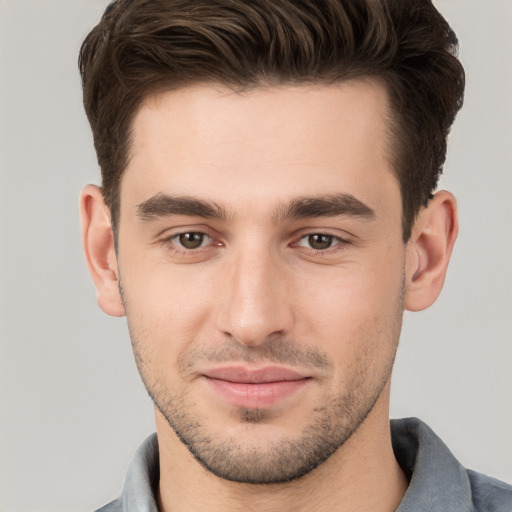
(98, 243)
(429, 250)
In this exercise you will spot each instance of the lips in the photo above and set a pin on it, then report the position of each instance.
(255, 388)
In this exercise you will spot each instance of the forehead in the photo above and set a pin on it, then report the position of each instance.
(267, 144)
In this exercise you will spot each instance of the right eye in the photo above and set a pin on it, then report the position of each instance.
(191, 240)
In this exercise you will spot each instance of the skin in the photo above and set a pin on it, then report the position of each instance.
(320, 293)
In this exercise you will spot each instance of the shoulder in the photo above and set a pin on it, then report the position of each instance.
(438, 482)
(490, 494)
(113, 506)
(141, 481)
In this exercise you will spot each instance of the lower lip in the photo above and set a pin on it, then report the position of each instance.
(256, 396)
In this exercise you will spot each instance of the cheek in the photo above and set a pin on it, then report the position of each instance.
(356, 311)
(166, 310)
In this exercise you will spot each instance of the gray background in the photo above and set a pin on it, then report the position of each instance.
(72, 409)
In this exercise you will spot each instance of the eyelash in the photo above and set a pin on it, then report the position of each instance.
(337, 244)
(170, 243)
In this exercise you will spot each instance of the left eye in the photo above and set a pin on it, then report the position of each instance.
(318, 241)
(192, 240)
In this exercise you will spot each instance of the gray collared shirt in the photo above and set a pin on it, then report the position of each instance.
(438, 482)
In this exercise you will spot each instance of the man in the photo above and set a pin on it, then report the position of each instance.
(267, 212)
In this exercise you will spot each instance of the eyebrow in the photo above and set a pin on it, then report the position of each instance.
(332, 205)
(163, 205)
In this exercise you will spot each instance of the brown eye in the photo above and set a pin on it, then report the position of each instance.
(192, 240)
(320, 242)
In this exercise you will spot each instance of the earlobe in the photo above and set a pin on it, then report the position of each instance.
(98, 243)
(429, 251)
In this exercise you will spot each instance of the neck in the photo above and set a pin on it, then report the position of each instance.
(361, 475)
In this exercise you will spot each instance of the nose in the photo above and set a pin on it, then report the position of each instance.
(255, 302)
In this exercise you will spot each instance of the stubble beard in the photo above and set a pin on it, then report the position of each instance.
(283, 461)
(333, 422)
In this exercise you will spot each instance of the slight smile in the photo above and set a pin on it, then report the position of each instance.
(255, 388)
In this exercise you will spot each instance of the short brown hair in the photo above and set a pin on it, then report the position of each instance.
(141, 46)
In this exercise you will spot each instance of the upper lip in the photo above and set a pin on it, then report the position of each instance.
(247, 375)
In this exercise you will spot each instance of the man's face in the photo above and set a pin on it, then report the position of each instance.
(262, 269)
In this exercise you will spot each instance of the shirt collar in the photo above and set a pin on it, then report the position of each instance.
(438, 482)
(141, 482)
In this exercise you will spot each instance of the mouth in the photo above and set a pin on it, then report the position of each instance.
(255, 388)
